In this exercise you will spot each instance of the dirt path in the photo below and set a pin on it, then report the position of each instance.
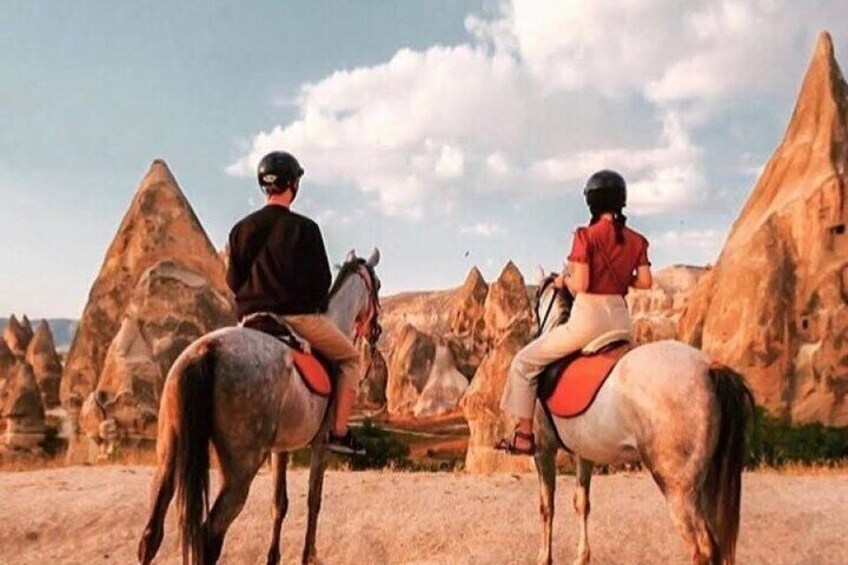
(94, 515)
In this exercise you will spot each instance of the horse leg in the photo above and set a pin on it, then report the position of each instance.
(581, 507)
(691, 522)
(234, 489)
(545, 460)
(162, 492)
(281, 504)
(316, 487)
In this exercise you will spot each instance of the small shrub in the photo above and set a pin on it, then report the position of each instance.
(775, 442)
(384, 450)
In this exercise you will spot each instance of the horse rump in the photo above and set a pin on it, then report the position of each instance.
(723, 484)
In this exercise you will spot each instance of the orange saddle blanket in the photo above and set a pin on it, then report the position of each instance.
(568, 387)
(313, 372)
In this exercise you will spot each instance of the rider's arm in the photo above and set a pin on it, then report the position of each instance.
(320, 265)
(234, 277)
(578, 279)
(643, 279)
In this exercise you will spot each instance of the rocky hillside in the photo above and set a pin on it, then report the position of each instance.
(775, 307)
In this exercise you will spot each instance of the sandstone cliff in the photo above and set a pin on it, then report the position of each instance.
(656, 312)
(775, 307)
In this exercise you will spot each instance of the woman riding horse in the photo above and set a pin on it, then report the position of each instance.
(606, 259)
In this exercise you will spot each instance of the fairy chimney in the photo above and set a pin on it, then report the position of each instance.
(17, 335)
(775, 307)
(159, 225)
(466, 328)
(509, 323)
(46, 365)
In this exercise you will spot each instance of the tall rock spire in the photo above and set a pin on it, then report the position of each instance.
(159, 225)
(776, 305)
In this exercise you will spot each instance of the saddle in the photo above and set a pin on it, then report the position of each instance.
(317, 372)
(568, 387)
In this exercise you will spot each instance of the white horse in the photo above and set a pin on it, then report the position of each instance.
(236, 389)
(664, 405)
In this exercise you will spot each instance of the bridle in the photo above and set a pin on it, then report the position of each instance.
(368, 321)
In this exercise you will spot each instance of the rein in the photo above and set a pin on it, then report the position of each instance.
(542, 322)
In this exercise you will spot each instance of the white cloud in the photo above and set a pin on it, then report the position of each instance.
(706, 241)
(541, 95)
(482, 229)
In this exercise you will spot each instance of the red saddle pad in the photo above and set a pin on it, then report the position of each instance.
(313, 373)
(581, 379)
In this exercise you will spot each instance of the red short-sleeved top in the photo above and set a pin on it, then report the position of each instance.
(624, 258)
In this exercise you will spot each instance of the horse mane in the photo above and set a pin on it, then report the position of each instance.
(345, 271)
(564, 297)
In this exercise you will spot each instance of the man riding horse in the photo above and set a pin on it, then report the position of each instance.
(279, 270)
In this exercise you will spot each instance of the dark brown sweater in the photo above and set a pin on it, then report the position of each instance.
(278, 264)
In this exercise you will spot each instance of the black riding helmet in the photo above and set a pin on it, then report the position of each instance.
(606, 191)
(278, 170)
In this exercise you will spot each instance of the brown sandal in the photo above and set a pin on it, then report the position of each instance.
(509, 445)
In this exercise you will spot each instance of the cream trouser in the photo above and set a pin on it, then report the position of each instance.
(325, 338)
(591, 316)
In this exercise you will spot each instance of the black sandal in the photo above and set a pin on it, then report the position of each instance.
(509, 445)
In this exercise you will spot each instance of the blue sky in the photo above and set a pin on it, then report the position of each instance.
(448, 133)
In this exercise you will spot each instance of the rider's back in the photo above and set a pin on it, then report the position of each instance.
(611, 263)
(278, 264)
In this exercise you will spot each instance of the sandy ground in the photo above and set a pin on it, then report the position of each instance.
(94, 515)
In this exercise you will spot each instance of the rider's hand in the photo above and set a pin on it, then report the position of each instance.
(561, 281)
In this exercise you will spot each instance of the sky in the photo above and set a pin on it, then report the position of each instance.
(447, 133)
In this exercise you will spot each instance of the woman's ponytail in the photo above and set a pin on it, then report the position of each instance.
(619, 221)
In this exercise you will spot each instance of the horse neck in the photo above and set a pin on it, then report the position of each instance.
(557, 313)
(346, 304)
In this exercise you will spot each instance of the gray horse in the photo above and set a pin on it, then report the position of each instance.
(237, 389)
(667, 406)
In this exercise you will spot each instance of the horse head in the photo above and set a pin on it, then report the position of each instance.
(363, 298)
(552, 306)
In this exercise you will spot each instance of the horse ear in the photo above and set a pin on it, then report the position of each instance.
(539, 274)
(351, 256)
(374, 259)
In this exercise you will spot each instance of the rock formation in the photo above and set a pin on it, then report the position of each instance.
(46, 365)
(423, 378)
(655, 312)
(159, 225)
(444, 387)
(465, 326)
(170, 307)
(23, 410)
(17, 335)
(775, 307)
(409, 369)
(508, 319)
(7, 361)
(372, 387)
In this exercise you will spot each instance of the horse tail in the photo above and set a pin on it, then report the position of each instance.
(723, 485)
(194, 431)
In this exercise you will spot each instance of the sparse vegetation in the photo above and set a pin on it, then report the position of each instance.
(775, 443)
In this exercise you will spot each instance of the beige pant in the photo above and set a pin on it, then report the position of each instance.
(591, 316)
(325, 338)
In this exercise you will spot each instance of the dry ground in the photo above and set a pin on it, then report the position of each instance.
(94, 515)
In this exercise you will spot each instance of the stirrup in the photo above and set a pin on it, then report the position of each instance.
(509, 445)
